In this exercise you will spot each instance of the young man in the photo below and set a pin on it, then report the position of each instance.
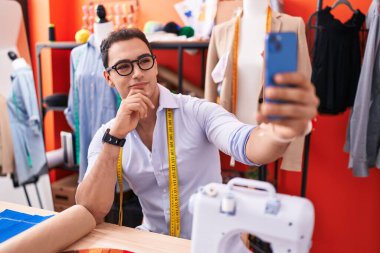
(201, 128)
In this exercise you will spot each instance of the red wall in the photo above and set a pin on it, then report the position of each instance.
(346, 207)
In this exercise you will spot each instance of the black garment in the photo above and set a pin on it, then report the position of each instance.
(336, 61)
(132, 213)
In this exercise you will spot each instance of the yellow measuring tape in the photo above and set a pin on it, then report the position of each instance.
(120, 182)
(175, 216)
(235, 55)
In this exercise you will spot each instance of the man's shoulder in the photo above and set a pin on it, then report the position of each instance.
(188, 103)
(195, 105)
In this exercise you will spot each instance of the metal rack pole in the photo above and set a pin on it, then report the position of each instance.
(308, 137)
(39, 85)
(305, 165)
(180, 68)
(320, 4)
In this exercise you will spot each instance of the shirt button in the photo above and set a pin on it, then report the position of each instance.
(165, 190)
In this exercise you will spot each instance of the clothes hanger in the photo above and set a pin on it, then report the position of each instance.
(336, 4)
(345, 2)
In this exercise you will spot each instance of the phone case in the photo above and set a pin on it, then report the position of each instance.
(280, 55)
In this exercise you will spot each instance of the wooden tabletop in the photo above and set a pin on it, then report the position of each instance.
(112, 236)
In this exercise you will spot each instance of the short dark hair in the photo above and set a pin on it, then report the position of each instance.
(121, 35)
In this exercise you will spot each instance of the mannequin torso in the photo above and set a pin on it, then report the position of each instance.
(19, 63)
(250, 59)
(101, 31)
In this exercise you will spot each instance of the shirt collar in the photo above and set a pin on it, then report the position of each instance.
(167, 99)
(91, 41)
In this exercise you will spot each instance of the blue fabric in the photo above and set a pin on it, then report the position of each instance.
(28, 144)
(97, 101)
(13, 223)
(201, 129)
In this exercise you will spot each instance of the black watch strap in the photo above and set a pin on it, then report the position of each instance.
(112, 139)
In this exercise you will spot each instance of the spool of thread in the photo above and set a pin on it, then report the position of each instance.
(172, 27)
(51, 32)
(82, 35)
(187, 31)
(153, 26)
(228, 205)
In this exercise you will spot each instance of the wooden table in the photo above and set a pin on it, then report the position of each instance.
(112, 236)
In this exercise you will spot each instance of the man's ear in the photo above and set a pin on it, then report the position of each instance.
(108, 78)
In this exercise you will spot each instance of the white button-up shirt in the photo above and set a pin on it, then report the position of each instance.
(200, 128)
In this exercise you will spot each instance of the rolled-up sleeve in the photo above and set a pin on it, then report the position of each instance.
(224, 130)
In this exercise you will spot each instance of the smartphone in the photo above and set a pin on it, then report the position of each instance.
(280, 57)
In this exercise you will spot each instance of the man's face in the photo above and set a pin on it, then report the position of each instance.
(120, 54)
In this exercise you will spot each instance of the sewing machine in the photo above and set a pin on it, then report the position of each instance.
(223, 211)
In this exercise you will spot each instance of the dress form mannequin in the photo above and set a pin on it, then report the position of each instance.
(221, 70)
(250, 58)
(103, 27)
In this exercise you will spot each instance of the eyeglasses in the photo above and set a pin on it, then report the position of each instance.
(125, 67)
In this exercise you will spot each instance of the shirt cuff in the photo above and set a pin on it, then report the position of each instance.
(246, 160)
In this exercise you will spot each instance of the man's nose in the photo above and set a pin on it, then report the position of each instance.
(137, 72)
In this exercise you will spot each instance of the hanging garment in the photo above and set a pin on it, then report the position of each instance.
(363, 138)
(336, 61)
(221, 49)
(6, 143)
(28, 144)
(91, 101)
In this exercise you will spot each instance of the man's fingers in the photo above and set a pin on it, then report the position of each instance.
(143, 109)
(292, 95)
(142, 95)
(288, 111)
(136, 107)
(295, 79)
(140, 101)
(148, 101)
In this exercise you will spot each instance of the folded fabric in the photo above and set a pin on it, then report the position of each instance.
(13, 223)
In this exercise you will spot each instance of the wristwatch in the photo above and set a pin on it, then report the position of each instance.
(112, 139)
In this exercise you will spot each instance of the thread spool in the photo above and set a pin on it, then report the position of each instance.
(228, 205)
(51, 32)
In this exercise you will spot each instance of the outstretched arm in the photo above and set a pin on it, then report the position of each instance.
(269, 141)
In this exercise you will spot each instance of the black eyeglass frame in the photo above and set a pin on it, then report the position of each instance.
(131, 62)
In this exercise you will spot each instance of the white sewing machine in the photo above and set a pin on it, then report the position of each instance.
(222, 212)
